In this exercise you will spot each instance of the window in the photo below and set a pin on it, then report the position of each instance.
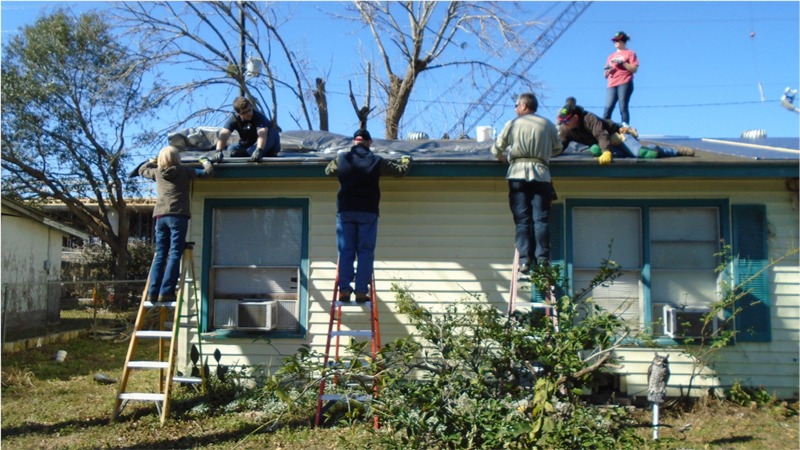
(667, 253)
(256, 265)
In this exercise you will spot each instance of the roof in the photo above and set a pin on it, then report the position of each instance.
(26, 211)
(302, 152)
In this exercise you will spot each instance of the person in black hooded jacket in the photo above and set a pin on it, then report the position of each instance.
(172, 213)
(358, 200)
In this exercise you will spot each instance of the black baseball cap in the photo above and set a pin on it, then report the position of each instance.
(362, 135)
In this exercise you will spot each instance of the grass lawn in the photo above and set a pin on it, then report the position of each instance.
(51, 405)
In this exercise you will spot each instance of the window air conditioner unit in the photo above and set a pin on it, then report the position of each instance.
(687, 322)
(246, 315)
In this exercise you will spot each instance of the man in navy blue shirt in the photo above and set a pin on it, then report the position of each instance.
(257, 136)
(359, 171)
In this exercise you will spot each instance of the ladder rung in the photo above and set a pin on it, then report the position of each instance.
(149, 304)
(533, 305)
(340, 397)
(354, 304)
(153, 334)
(142, 396)
(148, 364)
(353, 333)
(192, 380)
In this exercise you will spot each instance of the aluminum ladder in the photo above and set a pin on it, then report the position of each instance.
(167, 335)
(332, 363)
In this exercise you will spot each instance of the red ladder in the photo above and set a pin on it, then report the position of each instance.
(326, 400)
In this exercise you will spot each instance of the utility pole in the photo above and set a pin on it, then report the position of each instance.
(241, 46)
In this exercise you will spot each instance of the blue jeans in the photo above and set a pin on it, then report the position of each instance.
(530, 205)
(170, 241)
(356, 234)
(622, 93)
(271, 147)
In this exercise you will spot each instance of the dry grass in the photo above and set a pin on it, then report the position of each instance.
(50, 405)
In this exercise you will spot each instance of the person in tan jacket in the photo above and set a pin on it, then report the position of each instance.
(529, 141)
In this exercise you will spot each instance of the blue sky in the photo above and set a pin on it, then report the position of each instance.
(701, 66)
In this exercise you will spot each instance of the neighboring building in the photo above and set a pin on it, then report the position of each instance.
(31, 267)
(267, 232)
(140, 216)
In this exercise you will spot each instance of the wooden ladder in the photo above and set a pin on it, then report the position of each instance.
(333, 362)
(167, 335)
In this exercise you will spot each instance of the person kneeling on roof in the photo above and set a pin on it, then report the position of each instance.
(258, 137)
(607, 139)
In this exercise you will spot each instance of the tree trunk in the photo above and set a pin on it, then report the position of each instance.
(122, 258)
(399, 93)
(322, 104)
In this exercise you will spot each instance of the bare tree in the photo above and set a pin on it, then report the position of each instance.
(363, 112)
(422, 44)
(210, 38)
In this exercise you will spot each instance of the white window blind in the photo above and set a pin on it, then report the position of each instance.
(595, 231)
(257, 236)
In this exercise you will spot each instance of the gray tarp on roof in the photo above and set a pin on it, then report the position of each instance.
(315, 145)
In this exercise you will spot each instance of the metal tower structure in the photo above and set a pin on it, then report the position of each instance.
(494, 94)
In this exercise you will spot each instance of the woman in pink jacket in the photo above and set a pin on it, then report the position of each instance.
(619, 70)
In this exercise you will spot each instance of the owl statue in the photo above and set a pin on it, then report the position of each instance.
(657, 377)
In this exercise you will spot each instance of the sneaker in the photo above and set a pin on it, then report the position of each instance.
(524, 268)
(362, 297)
(344, 295)
(684, 151)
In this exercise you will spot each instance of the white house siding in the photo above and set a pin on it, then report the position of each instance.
(31, 257)
(448, 238)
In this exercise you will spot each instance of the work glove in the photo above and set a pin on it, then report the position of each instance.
(629, 130)
(216, 157)
(605, 158)
(405, 160)
(207, 165)
(256, 156)
(595, 150)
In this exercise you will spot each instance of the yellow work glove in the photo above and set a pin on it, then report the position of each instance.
(405, 160)
(605, 158)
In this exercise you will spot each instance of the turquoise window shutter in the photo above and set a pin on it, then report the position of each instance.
(556, 247)
(750, 259)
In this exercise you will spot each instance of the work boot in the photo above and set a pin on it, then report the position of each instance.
(543, 262)
(362, 297)
(684, 151)
(166, 298)
(344, 295)
(524, 268)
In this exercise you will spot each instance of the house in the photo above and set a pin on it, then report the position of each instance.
(266, 231)
(140, 215)
(31, 267)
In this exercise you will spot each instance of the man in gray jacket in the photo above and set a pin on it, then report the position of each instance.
(530, 140)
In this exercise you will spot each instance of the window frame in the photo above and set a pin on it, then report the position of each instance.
(209, 207)
(644, 205)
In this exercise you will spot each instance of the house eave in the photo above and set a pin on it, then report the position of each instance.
(643, 169)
